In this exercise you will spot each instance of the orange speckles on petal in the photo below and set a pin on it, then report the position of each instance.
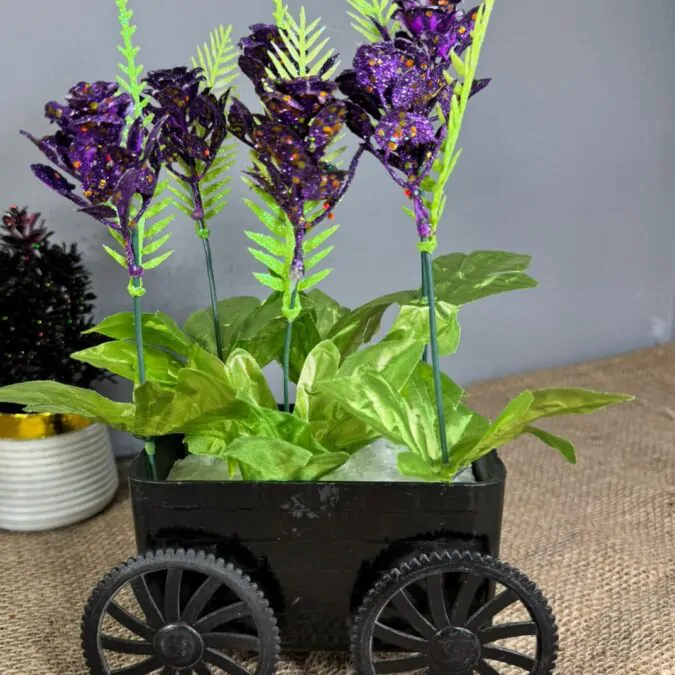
(331, 216)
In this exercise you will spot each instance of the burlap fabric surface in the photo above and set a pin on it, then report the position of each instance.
(599, 539)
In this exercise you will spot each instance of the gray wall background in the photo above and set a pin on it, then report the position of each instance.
(569, 156)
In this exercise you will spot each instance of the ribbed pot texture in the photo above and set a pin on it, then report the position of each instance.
(57, 481)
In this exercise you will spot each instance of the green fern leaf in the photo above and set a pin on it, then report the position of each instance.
(365, 11)
(217, 58)
(311, 281)
(312, 262)
(276, 222)
(212, 213)
(303, 53)
(159, 226)
(270, 281)
(131, 69)
(269, 261)
(156, 262)
(318, 239)
(117, 257)
(156, 245)
(271, 244)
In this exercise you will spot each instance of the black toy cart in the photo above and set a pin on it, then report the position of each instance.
(405, 575)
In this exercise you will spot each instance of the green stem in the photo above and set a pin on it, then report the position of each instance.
(435, 354)
(138, 330)
(425, 285)
(287, 354)
(203, 233)
(212, 289)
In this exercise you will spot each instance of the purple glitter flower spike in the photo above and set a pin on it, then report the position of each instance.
(195, 127)
(397, 86)
(291, 140)
(89, 148)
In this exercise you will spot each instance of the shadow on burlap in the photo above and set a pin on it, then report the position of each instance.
(599, 539)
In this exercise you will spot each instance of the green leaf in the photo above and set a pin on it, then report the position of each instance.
(133, 85)
(326, 311)
(204, 445)
(370, 398)
(461, 279)
(267, 459)
(247, 379)
(322, 363)
(153, 409)
(393, 360)
(233, 314)
(159, 329)
(530, 406)
(154, 246)
(412, 323)
(57, 398)
(121, 358)
(321, 465)
(200, 468)
(359, 326)
(562, 445)
(313, 261)
(271, 244)
(410, 464)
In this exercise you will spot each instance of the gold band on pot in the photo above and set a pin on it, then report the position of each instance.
(32, 426)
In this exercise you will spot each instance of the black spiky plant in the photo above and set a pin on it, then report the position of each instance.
(45, 305)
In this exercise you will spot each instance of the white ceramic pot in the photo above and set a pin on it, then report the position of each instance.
(52, 482)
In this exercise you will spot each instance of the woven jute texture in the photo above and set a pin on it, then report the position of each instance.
(598, 539)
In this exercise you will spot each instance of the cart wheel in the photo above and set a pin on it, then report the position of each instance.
(177, 613)
(427, 616)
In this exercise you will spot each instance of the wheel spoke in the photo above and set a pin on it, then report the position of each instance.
(507, 630)
(202, 669)
(152, 614)
(404, 604)
(509, 657)
(486, 669)
(397, 638)
(465, 596)
(222, 616)
(224, 663)
(491, 609)
(236, 641)
(410, 663)
(142, 668)
(172, 595)
(130, 622)
(437, 603)
(198, 601)
(122, 646)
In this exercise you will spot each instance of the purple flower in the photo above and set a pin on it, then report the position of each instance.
(89, 148)
(291, 139)
(438, 25)
(397, 86)
(194, 129)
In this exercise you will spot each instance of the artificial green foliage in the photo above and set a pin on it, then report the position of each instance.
(407, 417)
(151, 231)
(306, 50)
(366, 11)
(276, 251)
(130, 80)
(218, 59)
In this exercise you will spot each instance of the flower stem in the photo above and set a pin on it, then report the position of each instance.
(203, 233)
(287, 354)
(212, 289)
(425, 285)
(138, 330)
(435, 354)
